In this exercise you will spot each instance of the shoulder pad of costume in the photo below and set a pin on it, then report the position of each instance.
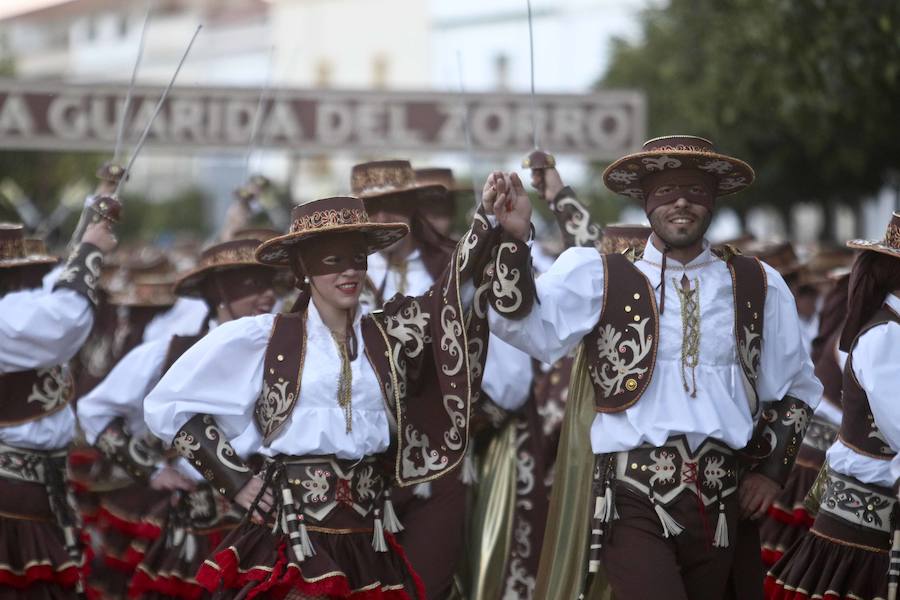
(633, 255)
(726, 252)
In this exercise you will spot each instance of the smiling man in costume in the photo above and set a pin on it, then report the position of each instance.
(684, 353)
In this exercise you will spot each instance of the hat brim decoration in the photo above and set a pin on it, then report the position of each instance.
(624, 176)
(147, 292)
(328, 216)
(227, 256)
(890, 245)
(388, 179)
(18, 251)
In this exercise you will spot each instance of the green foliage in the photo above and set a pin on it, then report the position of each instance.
(145, 220)
(805, 91)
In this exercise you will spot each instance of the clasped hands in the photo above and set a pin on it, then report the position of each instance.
(505, 197)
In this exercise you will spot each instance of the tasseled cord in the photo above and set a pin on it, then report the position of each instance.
(391, 522)
(670, 526)
(422, 490)
(295, 526)
(662, 279)
(894, 566)
(378, 542)
(720, 540)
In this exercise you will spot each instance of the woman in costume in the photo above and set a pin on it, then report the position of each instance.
(172, 522)
(342, 406)
(846, 554)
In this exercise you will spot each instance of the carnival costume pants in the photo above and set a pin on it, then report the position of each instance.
(640, 563)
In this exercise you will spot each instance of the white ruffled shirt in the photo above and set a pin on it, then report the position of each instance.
(876, 365)
(222, 375)
(41, 328)
(186, 317)
(570, 298)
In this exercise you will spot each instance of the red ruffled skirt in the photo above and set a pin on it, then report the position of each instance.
(835, 560)
(191, 526)
(253, 560)
(34, 562)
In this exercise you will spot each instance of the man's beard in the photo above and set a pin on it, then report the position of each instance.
(658, 224)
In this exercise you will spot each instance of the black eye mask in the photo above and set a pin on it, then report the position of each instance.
(335, 254)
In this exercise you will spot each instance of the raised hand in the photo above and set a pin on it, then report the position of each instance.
(512, 206)
(547, 182)
(101, 235)
(489, 191)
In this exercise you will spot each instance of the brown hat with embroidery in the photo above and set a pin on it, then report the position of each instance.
(322, 217)
(233, 254)
(619, 238)
(781, 256)
(388, 178)
(17, 251)
(146, 291)
(890, 245)
(443, 177)
(668, 153)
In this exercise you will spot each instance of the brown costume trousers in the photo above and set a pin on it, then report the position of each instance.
(641, 564)
(433, 532)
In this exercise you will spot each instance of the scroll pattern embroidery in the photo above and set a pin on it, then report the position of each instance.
(620, 357)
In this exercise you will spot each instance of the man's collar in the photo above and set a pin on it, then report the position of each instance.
(654, 256)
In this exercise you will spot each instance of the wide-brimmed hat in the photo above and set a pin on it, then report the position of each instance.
(781, 256)
(233, 254)
(619, 238)
(255, 233)
(146, 291)
(383, 178)
(660, 154)
(327, 216)
(890, 245)
(17, 251)
(443, 177)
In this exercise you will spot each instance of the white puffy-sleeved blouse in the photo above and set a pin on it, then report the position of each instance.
(42, 328)
(222, 376)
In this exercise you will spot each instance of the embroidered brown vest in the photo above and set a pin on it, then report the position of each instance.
(621, 349)
(858, 428)
(34, 394)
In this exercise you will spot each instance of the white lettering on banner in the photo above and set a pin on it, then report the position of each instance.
(15, 116)
(59, 116)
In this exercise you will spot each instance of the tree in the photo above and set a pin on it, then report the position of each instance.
(806, 92)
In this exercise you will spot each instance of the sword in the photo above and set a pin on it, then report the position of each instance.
(137, 62)
(109, 207)
(537, 159)
(466, 130)
(159, 105)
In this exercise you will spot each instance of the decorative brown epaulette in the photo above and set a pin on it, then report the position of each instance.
(34, 394)
(82, 272)
(621, 349)
(859, 430)
(282, 374)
